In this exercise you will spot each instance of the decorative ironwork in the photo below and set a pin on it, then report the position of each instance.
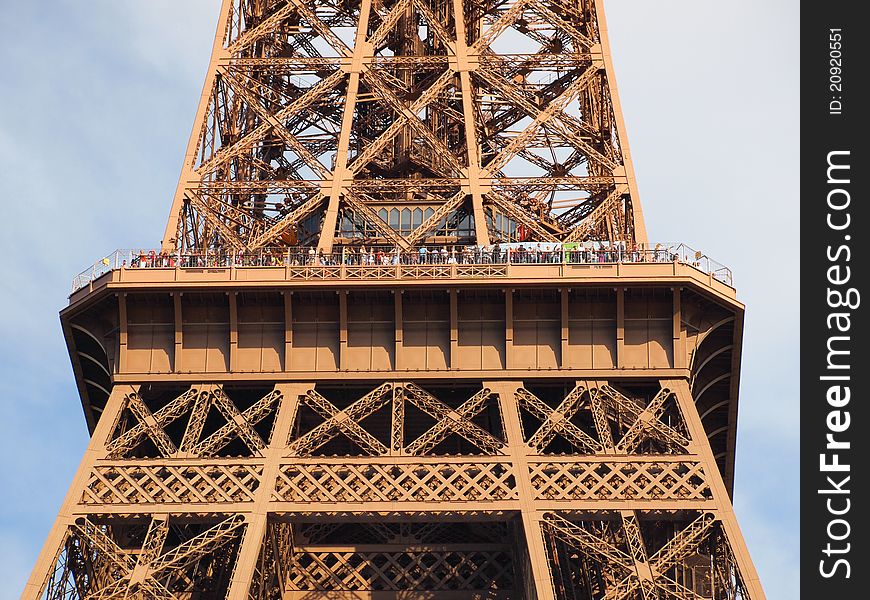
(352, 147)
(172, 484)
(615, 481)
(450, 421)
(312, 116)
(197, 405)
(94, 565)
(401, 571)
(407, 482)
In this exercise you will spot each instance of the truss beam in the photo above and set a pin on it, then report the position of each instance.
(417, 90)
(290, 475)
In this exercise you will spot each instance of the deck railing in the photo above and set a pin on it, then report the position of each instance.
(369, 262)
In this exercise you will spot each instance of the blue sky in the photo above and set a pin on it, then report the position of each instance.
(96, 106)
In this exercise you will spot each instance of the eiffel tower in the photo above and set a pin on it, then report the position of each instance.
(405, 336)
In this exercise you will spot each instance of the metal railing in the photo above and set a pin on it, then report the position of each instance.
(113, 261)
(379, 259)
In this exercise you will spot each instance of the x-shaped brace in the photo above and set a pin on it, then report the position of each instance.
(134, 573)
(451, 421)
(671, 555)
(637, 571)
(343, 421)
(150, 425)
(558, 421)
(238, 425)
(646, 420)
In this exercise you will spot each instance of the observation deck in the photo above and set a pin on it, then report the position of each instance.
(555, 261)
(552, 313)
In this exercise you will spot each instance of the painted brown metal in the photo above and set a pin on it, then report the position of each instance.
(474, 429)
(315, 122)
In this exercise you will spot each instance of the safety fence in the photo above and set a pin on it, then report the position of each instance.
(379, 259)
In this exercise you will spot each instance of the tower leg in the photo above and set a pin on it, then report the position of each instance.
(543, 580)
(96, 450)
(720, 493)
(258, 519)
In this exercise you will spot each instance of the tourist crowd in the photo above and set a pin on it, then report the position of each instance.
(515, 253)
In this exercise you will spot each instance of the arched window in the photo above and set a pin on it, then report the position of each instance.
(394, 218)
(406, 220)
(428, 213)
(418, 218)
(383, 214)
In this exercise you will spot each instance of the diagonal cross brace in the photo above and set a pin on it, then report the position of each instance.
(346, 422)
(127, 441)
(182, 556)
(647, 421)
(558, 421)
(239, 424)
(154, 428)
(451, 421)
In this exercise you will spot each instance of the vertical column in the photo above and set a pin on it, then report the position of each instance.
(565, 324)
(361, 51)
(122, 332)
(680, 358)
(96, 450)
(628, 166)
(463, 66)
(531, 518)
(700, 446)
(288, 329)
(399, 363)
(620, 328)
(218, 53)
(342, 329)
(509, 328)
(179, 338)
(249, 552)
(234, 331)
(454, 328)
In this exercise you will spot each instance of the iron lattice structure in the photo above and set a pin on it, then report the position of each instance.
(398, 123)
(416, 429)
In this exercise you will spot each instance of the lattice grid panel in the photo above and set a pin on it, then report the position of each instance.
(405, 571)
(634, 480)
(170, 484)
(421, 482)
